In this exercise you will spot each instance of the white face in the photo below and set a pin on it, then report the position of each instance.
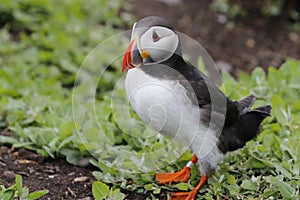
(160, 42)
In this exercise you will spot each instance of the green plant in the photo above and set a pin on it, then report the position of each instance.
(38, 67)
(39, 62)
(18, 191)
(102, 191)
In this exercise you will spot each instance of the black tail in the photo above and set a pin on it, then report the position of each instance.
(245, 104)
(246, 128)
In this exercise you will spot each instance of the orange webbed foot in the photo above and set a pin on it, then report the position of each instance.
(183, 196)
(181, 176)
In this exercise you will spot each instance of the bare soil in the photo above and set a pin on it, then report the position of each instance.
(63, 180)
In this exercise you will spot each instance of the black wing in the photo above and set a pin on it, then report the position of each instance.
(209, 97)
(212, 99)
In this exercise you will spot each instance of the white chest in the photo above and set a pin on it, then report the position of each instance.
(163, 104)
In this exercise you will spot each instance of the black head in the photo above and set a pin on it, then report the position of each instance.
(153, 41)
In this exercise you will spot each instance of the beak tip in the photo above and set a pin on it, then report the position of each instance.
(124, 69)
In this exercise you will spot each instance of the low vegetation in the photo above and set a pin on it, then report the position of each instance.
(55, 102)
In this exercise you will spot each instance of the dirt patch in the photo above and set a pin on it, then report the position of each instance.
(63, 180)
(252, 41)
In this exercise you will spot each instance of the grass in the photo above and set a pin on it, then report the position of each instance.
(61, 95)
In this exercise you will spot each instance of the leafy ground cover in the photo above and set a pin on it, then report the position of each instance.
(18, 190)
(47, 106)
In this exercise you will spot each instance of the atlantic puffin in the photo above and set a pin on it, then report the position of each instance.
(177, 100)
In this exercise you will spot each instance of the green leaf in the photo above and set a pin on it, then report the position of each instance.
(234, 190)
(19, 184)
(72, 156)
(231, 180)
(149, 186)
(66, 129)
(117, 195)
(157, 191)
(100, 190)
(284, 188)
(37, 194)
(182, 186)
(248, 185)
(7, 194)
(7, 140)
(279, 110)
(282, 170)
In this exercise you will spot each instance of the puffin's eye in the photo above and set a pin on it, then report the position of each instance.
(155, 36)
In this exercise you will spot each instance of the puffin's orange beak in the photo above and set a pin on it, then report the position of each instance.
(133, 57)
(127, 60)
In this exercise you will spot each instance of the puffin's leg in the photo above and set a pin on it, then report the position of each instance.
(189, 195)
(181, 176)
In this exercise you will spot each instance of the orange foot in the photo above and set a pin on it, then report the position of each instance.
(181, 176)
(189, 195)
(183, 196)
